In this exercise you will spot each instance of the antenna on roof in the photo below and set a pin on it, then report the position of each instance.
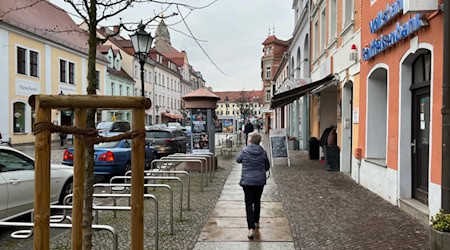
(269, 30)
(274, 30)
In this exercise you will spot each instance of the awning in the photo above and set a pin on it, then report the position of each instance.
(172, 116)
(286, 97)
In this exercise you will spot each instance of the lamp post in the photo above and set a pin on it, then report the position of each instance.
(142, 42)
(157, 115)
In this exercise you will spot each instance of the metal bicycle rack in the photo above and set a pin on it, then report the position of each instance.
(175, 172)
(157, 178)
(65, 226)
(211, 156)
(154, 163)
(209, 160)
(127, 185)
(121, 208)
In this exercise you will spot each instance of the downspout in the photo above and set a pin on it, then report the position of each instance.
(446, 113)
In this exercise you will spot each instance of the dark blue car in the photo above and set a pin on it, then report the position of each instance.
(112, 158)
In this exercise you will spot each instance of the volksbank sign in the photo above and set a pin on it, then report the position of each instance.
(402, 30)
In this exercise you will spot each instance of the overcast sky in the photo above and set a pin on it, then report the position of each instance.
(234, 31)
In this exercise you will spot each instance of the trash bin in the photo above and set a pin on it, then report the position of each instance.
(313, 148)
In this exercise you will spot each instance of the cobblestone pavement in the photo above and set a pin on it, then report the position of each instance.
(185, 232)
(328, 210)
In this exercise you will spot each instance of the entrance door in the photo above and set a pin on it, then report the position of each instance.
(420, 126)
(420, 143)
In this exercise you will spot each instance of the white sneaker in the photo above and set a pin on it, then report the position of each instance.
(251, 234)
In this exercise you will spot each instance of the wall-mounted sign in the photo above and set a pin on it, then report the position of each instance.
(355, 115)
(412, 6)
(402, 31)
(27, 88)
(67, 89)
(385, 16)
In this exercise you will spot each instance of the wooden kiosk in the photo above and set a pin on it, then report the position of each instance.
(43, 128)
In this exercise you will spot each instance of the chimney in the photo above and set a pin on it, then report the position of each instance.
(116, 28)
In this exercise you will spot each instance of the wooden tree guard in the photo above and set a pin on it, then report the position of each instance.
(43, 105)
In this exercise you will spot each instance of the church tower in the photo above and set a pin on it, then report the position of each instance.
(162, 33)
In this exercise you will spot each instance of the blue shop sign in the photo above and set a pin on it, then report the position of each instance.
(384, 16)
(402, 31)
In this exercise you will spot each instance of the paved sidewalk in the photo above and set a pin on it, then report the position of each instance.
(329, 210)
(227, 226)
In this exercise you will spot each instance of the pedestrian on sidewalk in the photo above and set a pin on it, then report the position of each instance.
(255, 164)
(247, 130)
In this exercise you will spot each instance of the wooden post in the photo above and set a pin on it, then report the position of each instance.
(78, 181)
(42, 181)
(137, 182)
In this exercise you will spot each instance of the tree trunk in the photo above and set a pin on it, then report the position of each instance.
(91, 90)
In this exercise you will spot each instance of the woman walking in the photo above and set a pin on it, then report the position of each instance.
(254, 166)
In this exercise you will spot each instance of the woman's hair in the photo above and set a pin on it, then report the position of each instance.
(255, 138)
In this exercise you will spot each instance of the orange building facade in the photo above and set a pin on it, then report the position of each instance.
(399, 107)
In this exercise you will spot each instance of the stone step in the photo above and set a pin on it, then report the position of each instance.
(416, 209)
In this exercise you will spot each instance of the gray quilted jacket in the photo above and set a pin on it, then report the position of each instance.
(254, 165)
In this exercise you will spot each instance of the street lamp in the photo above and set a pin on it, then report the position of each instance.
(227, 103)
(142, 41)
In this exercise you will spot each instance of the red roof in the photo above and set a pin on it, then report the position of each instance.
(170, 52)
(201, 92)
(234, 96)
(273, 39)
(120, 73)
(44, 19)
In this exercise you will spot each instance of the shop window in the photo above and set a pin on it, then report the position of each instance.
(377, 114)
(19, 117)
(323, 29)
(333, 21)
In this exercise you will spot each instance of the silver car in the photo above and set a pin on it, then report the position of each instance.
(17, 183)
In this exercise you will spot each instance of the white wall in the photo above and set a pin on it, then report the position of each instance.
(5, 111)
(380, 180)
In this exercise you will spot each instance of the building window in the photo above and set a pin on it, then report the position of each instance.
(377, 114)
(62, 70)
(333, 20)
(97, 79)
(66, 71)
(268, 96)
(323, 29)
(268, 73)
(120, 90)
(348, 12)
(128, 91)
(316, 38)
(112, 88)
(71, 73)
(21, 61)
(34, 57)
(27, 62)
(19, 117)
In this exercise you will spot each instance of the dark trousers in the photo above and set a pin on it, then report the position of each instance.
(253, 204)
(246, 139)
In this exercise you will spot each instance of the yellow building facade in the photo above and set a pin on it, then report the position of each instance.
(32, 64)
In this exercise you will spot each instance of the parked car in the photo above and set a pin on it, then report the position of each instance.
(17, 183)
(112, 128)
(166, 141)
(112, 158)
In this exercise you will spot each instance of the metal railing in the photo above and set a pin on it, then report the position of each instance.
(211, 157)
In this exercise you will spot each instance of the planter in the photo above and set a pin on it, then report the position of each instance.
(439, 240)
